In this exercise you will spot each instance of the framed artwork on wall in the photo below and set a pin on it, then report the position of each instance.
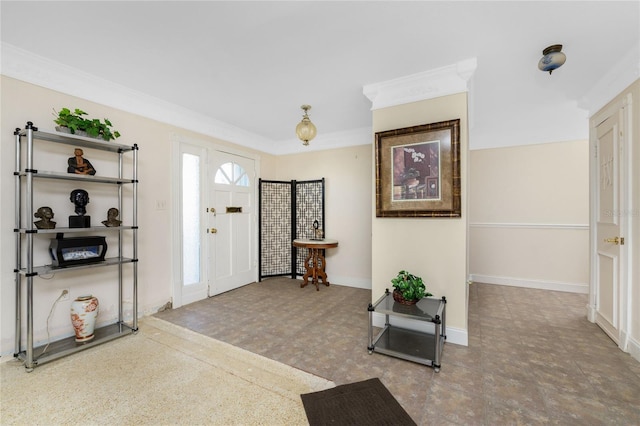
(418, 171)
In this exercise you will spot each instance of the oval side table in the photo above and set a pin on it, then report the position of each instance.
(315, 263)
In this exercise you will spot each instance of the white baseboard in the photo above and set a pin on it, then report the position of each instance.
(591, 313)
(634, 349)
(627, 345)
(350, 281)
(456, 336)
(539, 284)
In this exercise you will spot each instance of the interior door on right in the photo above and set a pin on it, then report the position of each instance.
(609, 270)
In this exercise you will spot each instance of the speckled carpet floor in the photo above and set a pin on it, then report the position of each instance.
(163, 375)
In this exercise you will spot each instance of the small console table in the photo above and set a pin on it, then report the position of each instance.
(424, 347)
(314, 264)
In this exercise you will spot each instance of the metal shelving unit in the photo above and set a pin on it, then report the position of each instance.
(423, 347)
(25, 174)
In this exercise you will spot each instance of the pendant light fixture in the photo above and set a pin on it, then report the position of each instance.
(552, 58)
(306, 130)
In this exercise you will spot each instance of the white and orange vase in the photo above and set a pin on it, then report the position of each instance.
(84, 311)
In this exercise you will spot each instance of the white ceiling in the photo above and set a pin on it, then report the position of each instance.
(252, 64)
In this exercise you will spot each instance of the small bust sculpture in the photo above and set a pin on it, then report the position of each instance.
(80, 198)
(112, 218)
(45, 214)
(80, 165)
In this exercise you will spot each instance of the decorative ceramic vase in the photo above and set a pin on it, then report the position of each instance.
(84, 311)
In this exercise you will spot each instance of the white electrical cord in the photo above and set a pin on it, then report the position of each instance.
(64, 293)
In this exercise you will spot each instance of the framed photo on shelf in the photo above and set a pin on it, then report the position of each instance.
(418, 171)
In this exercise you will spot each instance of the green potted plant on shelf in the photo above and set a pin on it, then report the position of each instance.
(75, 123)
(408, 289)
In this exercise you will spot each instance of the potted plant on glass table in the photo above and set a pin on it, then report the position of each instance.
(408, 288)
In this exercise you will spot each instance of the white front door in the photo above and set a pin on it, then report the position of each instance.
(609, 271)
(232, 230)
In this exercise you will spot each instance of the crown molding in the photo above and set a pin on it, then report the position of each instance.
(621, 75)
(23, 65)
(430, 84)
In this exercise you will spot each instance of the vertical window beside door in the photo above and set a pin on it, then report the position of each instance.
(191, 245)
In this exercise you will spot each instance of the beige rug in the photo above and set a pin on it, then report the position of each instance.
(163, 375)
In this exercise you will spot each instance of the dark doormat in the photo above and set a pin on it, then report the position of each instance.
(362, 403)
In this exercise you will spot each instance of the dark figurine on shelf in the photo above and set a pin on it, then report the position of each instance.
(112, 218)
(80, 198)
(80, 165)
(45, 214)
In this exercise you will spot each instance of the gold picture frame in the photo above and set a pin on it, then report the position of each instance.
(418, 171)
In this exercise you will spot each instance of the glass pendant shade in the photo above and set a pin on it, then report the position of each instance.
(306, 130)
(553, 58)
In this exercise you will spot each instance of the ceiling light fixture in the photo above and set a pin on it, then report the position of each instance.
(553, 58)
(305, 129)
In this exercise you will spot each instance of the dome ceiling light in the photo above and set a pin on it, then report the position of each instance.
(552, 58)
(306, 130)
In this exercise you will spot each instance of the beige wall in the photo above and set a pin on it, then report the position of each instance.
(348, 202)
(436, 249)
(22, 102)
(347, 174)
(529, 216)
(433, 248)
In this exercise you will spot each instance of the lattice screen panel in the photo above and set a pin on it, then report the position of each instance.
(277, 217)
(275, 228)
(309, 208)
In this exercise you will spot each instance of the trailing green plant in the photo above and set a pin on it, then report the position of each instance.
(94, 128)
(410, 286)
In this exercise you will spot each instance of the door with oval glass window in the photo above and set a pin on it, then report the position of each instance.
(232, 225)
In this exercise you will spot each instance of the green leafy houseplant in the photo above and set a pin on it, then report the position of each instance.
(94, 128)
(408, 288)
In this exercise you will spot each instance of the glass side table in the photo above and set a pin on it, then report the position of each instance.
(424, 347)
